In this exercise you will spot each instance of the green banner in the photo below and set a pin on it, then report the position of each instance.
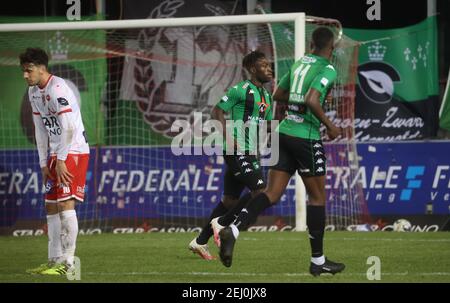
(411, 51)
(444, 115)
(397, 91)
(76, 56)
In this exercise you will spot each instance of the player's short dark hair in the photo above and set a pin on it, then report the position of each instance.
(251, 58)
(37, 56)
(322, 37)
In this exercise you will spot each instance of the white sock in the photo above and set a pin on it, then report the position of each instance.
(318, 261)
(54, 239)
(69, 224)
(235, 231)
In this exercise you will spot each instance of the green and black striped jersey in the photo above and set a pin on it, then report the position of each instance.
(247, 102)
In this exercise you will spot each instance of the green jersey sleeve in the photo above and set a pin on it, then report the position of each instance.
(231, 98)
(324, 80)
(285, 81)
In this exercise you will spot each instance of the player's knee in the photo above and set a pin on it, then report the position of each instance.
(66, 205)
(257, 192)
(51, 208)
(229, 202)
(273, 196)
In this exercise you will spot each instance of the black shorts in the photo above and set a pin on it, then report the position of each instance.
(242, 171)
(304, 155)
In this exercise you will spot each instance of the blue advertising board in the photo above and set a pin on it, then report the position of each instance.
(138, 182)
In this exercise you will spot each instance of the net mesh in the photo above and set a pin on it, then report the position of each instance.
(132, 86)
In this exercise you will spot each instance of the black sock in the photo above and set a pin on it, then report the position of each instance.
(231, 215)
(315, 219)
(207, 231)
(249, 214)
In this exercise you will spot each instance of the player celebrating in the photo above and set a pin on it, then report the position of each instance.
(304, 87)
(248, 102)
(60, 133)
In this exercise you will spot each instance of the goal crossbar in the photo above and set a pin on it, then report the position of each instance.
(144, 23)
(299, 20)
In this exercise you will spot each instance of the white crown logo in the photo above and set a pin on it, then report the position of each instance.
(58, 46)
(376, 51)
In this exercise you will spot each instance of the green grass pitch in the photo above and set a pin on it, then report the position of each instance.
(258, 257)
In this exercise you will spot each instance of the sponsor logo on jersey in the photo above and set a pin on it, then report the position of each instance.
(256, 119)
(295, 118)
(52, 125)
(308, 59)
(319, 161)
(318, 153)
(317, 145)
(225, 98)
(260, 182)
(63, 101)
(247, 170)
(319, 170)
(245, 163)
(306, 170)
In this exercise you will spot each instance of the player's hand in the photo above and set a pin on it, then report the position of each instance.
(333, 132)
(45, 174)
(62, 174)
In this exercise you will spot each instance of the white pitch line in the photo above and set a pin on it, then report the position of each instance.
(358, 239)
(255, 274)
(394, 240)
(241, 274)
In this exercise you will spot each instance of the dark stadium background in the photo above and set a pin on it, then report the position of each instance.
(352, 14)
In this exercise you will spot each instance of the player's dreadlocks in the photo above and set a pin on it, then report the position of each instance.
(251, 58)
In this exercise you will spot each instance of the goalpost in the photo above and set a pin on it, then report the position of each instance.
(119, 125)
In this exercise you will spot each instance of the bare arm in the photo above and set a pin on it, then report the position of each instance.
(281, 95)
(312, 100)
(42, 145)
(67, 131)
(219, 115)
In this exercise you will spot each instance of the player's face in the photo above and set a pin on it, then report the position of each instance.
(263, 70)
(31, 73)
